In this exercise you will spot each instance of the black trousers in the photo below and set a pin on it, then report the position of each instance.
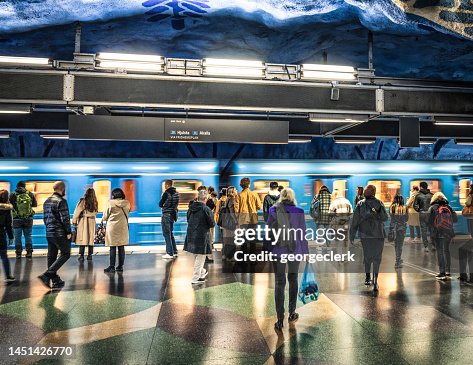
(372, 253)
(113, 255)
(57, 245)
(465, 256)
(82, 250)
(280, 287)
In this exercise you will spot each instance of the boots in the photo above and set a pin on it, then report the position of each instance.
(375, 283)
(368, 279)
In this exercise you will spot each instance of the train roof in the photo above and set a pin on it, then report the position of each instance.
(122, 167)
(347, 167)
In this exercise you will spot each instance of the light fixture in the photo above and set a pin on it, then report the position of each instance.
(300, 139)
(28, 61)
(235, 68)
(54, 135)
(181, 66)
(282, 72)
(328, 72)
(464, 142)
(130, 62)
(15, 108)
(343, 140)
(450, 121)
(338, 118)
(5, 135)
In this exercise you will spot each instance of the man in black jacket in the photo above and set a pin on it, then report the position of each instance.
(58, 233)
(23, 202)
(270, 199)
(422, 205)
(169, 203)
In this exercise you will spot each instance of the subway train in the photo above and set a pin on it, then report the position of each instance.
(142, 181)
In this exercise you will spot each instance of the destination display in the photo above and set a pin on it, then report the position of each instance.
(225, 130)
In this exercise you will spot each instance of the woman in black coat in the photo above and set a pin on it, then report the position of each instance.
(200, 219)
(6, 229)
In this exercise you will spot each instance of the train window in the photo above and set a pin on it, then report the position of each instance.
(386, 190)
(434, 185)
(339, 185)
(42, 190)
(464, 188)
(129, 188)
(5, 185)
(261, 187)
(187, 190)
(103, 191)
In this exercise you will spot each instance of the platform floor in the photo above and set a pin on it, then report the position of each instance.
(151, 314)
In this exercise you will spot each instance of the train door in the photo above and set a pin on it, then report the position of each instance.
(460, 195)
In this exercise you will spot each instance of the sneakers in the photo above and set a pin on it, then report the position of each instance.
(81, 258)
(463, 277)
(58, 283)
(119, 269)
(293, 317)
(10, 279)
(166, 256)
(176, 255)
(209, 260)
(204, 275)
(18, 256)
(45, 280)
(441, 276)
(198, 282)
(89, 257)
(29, 255)
(109, 270)
(278, 326)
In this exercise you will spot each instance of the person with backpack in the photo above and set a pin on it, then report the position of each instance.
(441, 219)
(200, 219)
(6, 233)
(413, 221)
(83, 221)
(286, 215)
(270, 199)
(23, 202)
(421, 206)
(227, 220)
(320, 209)
(169, 206)
(465, 251)
(368, 219)
(117, 233)
(398, 227)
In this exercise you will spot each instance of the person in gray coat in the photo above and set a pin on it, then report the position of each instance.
(200, 219)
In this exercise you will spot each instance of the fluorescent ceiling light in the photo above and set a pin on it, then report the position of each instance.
(24, 60)
(54, 136)
(299, 140)
(233, 71)
(232, 63)
(328, 68)
(337, 118)
(15, 109)
(464, 142)
(456, 123)
(129, 57)
(354, 141)
(333, 76)
(5, 135)
(424, 141)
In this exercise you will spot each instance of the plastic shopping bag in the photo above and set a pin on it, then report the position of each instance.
(309, 288)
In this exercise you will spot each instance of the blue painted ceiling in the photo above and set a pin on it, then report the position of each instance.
(412, 38)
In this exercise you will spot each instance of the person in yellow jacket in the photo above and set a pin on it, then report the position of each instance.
(247, 204)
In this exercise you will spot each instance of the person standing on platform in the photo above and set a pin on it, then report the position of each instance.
(286, 213)
(83, 220)
(368, 219)
(247, 204)
(23, 202)
(200, 219)
(341, 210)
(228, 219)
(117, 233)
(58, 233)
(320, 208)
(441, 219)
(359, 195)
(270, 199)
(421, 206)
(397, 228)
(220, 203)
(465, 252)
(212, 204)
(413, 221)
(169, 206)
(6, 233)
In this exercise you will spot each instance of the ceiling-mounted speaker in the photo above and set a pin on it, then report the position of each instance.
(409, 132)
(335, 94)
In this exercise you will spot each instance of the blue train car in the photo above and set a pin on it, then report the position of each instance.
(141, 180)
(389, 177)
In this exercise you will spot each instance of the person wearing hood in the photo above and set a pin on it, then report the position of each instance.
(169, 203)
(270, 199)
(368, 219)
(23, 202)
(286, 215)
(200, 219)
(422, 205)
(6, 232)
(117, 235)
(441, 219)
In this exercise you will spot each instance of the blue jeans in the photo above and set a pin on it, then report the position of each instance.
(167, 225)
(6, 262)
(443, 253)
(25, 231)
(413, 233)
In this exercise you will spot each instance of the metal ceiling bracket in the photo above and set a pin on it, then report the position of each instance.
(380, 100)
(68, 94)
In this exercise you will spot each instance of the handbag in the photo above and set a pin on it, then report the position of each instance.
(467, 212)
(309, 288)
(74, 235)
(100, 234)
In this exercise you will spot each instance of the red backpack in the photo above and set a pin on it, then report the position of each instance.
(443, 220)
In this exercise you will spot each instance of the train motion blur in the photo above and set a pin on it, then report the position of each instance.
(142, 181)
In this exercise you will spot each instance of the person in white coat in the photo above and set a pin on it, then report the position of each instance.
(340, 210)
(84, 223)
(116, 234)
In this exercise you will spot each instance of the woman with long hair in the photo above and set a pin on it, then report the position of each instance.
(117, 235)
(6, 232)
(228, 220)
(398, 227)
(84, 223)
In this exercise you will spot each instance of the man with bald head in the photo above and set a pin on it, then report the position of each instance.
(58, 233)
